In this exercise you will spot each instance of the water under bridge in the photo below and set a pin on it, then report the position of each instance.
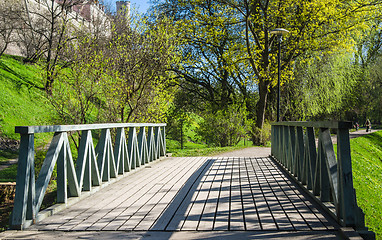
(126, 188)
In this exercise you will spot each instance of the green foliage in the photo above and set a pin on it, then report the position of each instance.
(260, 136)
(322, 88)
(182, 124)
(227, 44)
(9, 174)
(124, 78)
(196, 149)
(369, 92)
(75, 95)
(224, 127)
(366, 154)
(7, 154)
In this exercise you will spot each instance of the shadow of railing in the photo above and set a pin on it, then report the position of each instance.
(173, 214)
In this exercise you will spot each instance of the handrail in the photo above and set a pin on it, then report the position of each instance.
(326, 177)
(95, 167)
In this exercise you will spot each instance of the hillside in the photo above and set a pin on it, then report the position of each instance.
(22, 100)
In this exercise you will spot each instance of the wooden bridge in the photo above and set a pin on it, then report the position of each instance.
(302, 191)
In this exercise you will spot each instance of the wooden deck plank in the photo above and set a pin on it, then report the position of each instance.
(162, 197)
(315, 219)
(223, 204)
(171, 176)
(237, 221)
(287, 197)
(287, 205)
(129, 198)
(133, 184)
(207, 218)
(196, 206)
(256, 181)
(282, 220)
(173, 216)
(251, 215)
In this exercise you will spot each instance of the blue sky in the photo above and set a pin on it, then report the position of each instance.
(140, 5)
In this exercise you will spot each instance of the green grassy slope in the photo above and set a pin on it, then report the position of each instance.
(22, 99)
(367, 174)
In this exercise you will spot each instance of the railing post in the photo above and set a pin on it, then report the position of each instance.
(273, 136)
(142, 146)
(164, 140)
(24, 203)
(299, 152)
(312, 156)
(61, 176)
(133, 148)
(292, 149)
(285, 145)
(347, 202)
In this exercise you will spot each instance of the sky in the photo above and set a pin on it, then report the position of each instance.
(140, 5)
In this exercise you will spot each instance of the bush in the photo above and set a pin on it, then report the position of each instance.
(259, 136)
(224, 127)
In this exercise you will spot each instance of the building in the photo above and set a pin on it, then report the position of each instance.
(81, 14)
(123, 8)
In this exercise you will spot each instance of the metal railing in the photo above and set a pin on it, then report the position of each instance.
(313, 163)
(93, 169)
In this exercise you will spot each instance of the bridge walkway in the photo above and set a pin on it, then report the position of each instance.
(196, 198)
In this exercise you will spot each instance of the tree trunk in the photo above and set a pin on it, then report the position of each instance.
(49, 86)
(261, 104)
(257, 133)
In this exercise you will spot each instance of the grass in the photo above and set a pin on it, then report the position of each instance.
(9, 174)
(22, 98)
(7, 154)
(367, 174)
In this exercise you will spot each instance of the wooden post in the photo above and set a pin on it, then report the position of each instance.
(347, 202)
(24, 196)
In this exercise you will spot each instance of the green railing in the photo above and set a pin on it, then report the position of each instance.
(93, 169)
(312, 162)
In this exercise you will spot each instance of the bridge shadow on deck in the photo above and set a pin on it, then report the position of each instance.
(182, 198)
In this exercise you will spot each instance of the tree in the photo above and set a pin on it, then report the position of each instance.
(224, 127)
(138, 63)
(9, 22)
(49, 26)
(124, 77)
(76, 96)
(315, 26)
(323, 88)
(209, 72)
